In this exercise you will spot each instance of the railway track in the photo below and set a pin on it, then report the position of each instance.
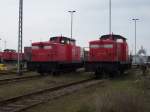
(17, 79)
(11, 72)
(27, 101)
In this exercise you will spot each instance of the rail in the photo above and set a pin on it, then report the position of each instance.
(27, 101)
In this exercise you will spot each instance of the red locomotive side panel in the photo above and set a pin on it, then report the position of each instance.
(62, 55)
(73, 53)
(41, 52)
(102, 51)
(51, 51)
(77, 54)
(122, 54)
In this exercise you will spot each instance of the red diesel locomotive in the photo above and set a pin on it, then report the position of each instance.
(9, 55)
(56, 55)
(108, 55)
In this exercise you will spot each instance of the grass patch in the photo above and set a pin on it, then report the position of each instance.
(117, 95)
(86, 108)
(120, 101)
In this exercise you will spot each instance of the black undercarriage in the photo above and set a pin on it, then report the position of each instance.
(109, 68)
(53, 67)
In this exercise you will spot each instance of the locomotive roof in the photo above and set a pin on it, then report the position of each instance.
(12, 50)
(55, 39)
(113, 36)
(65, 38)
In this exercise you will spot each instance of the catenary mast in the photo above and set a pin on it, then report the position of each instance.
(20, 31)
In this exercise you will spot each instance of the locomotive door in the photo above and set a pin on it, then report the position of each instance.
(118, 52)
(69, 52)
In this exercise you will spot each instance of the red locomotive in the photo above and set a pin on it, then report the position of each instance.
(9, 55)
(56, 55)
(108, 55)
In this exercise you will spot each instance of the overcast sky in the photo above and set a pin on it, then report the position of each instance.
(47, 18)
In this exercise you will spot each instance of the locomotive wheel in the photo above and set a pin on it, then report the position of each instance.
(122, 72)
(40, 72)
(55, 72)
(118, 73)
(115, 73)
(111, 74)
(98, 74)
